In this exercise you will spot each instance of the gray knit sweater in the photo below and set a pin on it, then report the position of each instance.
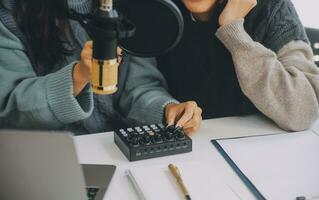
(30, 101)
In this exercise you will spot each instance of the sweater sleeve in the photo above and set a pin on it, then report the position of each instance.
(31, 102)
(282, 25)
(283, 86)
(145, 96)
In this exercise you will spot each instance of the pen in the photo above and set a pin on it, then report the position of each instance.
(136, 187)
(305, 198)
(174, 170)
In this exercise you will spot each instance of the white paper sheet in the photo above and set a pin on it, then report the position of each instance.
(280, 166)
(201, 179)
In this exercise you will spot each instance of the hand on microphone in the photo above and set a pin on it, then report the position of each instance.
(186, 115)
(82, 71)
(235, 10)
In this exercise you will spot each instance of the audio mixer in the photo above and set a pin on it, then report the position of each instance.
(152, 141)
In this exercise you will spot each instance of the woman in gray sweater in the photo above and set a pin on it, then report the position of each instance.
(44, 86)
(239, 57)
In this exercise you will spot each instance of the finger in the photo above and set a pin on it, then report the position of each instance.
(87, 49)
(179, 115)
(119, 55)
(119, 58)
(191, 123)
(195, 121)
(119, 51)
(188, 115)
(87, 54)
(194, 128)
(171, 117)
(88, 44)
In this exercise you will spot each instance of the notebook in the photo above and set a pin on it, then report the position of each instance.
(280, 167)
(200, 178)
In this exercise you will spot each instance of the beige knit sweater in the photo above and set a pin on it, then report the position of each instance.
(283, 86)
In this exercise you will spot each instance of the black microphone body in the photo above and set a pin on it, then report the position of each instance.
(105, 47)
(104, 27)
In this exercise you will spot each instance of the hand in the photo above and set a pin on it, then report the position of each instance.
(83, 70)
(186, 115)
(235, 10)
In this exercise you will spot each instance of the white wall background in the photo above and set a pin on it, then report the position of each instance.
(308, 11)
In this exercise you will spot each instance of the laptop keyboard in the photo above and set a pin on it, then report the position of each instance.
(92, 192)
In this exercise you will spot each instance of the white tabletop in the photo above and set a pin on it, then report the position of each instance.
(101, 149)
(315, 128)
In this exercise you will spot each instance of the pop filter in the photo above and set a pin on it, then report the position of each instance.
(159, 26)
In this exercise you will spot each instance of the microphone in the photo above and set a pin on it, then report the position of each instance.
(105, 64)
(149, 29)
(105, 27)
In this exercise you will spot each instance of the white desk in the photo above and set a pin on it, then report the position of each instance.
(315, 128)
(101, 149)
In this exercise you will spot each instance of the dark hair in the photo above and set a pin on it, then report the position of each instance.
(45, 24)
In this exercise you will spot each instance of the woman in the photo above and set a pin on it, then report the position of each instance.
(241, 57)
(44, 86)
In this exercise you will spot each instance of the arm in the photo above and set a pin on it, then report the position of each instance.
(28, 101)
(145, 97)
(284, 86)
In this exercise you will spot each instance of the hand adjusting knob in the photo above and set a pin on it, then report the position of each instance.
(179, 133)
(169, 135)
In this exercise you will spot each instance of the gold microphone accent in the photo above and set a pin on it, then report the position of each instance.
(106, 5)
(104, 76)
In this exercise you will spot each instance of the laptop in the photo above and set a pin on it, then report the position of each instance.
(44, 165)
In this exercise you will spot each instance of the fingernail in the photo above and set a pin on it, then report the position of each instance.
(169, 124)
